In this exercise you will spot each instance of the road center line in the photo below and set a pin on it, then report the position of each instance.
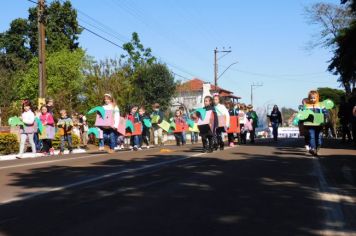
(333, 210)
(101, 177)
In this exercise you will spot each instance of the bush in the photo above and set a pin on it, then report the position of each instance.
(56, 143)
(8, 144)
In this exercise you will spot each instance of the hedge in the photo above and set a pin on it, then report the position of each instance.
(56, 143)
(8, 144)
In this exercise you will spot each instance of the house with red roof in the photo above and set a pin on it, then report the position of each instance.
(191, 93)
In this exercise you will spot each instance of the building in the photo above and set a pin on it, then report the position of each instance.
(191, 94)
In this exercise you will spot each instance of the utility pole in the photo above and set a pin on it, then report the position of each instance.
(252, 87)
(216, 67)
(41, 51)
(216, 51)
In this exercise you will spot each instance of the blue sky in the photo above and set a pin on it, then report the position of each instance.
(267, 38)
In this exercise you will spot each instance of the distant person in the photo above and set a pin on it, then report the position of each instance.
(50, 106)
(252, 115)
(157, 118)
(83, 127)
(276, 120)
(185, 118)
(352, 111)
(345, 118)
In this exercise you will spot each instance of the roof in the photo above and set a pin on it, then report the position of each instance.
(197, 85)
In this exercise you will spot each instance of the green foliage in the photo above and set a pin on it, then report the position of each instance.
(155, 83)
(56, 141)
(62, 29)
(332, 94)
(8, 144)
(64, 79)
(137, 54)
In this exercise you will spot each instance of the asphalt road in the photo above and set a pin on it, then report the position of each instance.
(263, 189)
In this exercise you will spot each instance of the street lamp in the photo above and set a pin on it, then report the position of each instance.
(227, 68)
(252, 87)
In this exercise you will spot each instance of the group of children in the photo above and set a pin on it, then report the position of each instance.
(39, 128)
(209, 122)
(234, 119)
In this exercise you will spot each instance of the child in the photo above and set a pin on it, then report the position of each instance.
(222, 113)
(83, 127)
(146, 125)
(109, 131)
(242, 120)
(134, 117)
(185, 118)
(232, 112)
(47, 134)
(28, 129)
(157, 118)
(194, 135)
(207, 137)
(36, 137)
(179, 121)
(50, 106)
(65, 126)
(253, 118)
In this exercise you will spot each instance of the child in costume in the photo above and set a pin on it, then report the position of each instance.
(252, 117)
(134, 117)
(109, 123)
(207, 135)
(179, 121)
(36, 135)
(313, 117)
(194, 135)
(65, 126)
(242, 121)
(157, 118)
(146, 125)
(223, 122)
(232, 112)
(28, 128)
(185, 117)
(48, 131)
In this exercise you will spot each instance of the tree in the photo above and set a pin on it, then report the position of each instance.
(62, 28)
(64, 79)
(62, 32)
(136, 53)
(330, 18)
(344, 61)
(14, 41)
(108, 76)
(330, 93)
(155, 83)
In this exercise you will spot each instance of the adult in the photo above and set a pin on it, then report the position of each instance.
(345, 119)
(276, 120)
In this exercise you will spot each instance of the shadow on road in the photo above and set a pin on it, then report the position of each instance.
(232, 193)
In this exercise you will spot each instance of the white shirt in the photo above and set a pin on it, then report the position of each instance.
(222, 111)
(28, 117)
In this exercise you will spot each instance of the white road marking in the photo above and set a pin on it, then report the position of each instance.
(334, 215)
(101, 177)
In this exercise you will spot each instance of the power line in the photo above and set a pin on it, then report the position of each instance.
(113, 35)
